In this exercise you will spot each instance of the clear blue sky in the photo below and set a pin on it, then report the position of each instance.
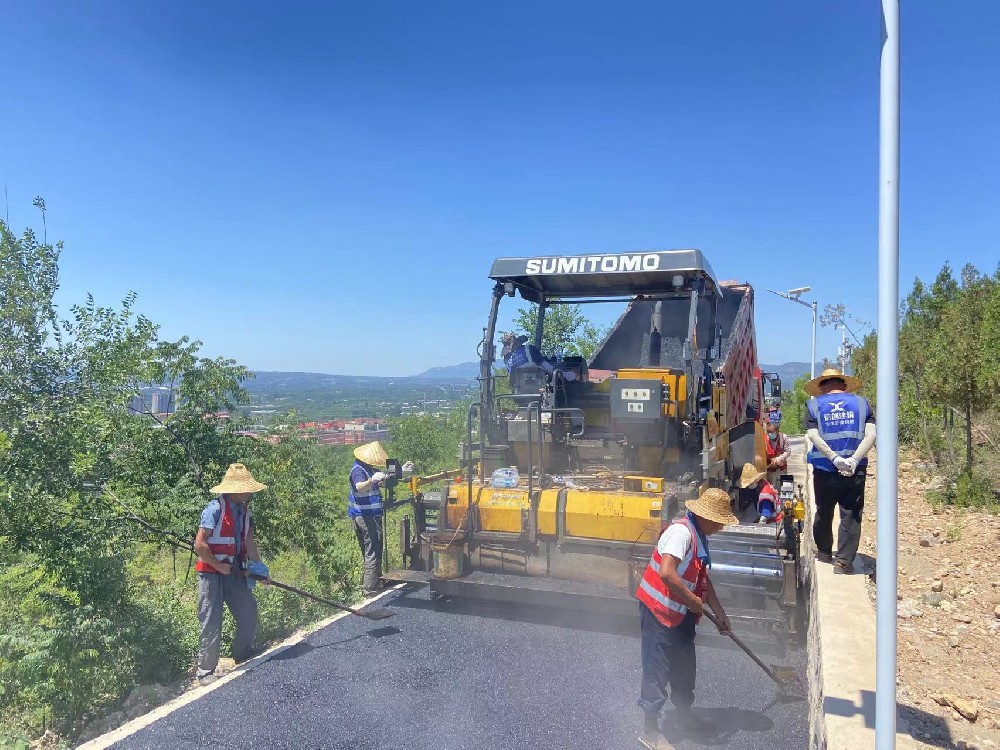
(323, 186)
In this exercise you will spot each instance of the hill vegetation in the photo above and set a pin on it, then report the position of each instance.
(949, 380)
(94, 596)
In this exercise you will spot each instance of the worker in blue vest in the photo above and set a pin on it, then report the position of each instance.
(840, 427)
(517, 352)
(365, 509)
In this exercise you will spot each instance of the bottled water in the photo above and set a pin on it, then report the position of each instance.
(505, 478)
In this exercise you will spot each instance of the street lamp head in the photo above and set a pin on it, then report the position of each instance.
(799, 291)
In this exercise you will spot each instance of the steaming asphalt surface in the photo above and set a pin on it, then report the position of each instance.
(460, 680)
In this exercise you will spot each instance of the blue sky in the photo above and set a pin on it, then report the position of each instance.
(323, 186)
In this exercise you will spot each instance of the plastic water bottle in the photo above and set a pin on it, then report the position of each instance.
(505, 478)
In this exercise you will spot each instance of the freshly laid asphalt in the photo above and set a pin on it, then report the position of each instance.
(462, 679)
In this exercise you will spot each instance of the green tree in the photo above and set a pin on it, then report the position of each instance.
(566, 329)
(962, 350)
(429, 440)
(79, 469)
(793, 406)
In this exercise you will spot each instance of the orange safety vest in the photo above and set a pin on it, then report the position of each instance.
(776, 449)
(222, 542)
(653, 592)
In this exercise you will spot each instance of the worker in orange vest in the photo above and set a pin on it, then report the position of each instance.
(226, 553)
(776, 443)
(672, 594)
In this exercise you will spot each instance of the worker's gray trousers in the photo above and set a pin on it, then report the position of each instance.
(214, 590)
(830, 490)
(368, 529)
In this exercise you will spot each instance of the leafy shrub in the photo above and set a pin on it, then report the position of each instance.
(968, 490)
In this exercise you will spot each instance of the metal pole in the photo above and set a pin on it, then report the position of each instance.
(812, 362)
(812, 306)
(888, 384)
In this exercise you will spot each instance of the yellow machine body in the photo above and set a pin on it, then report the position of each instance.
(617, 516)
(674, 380)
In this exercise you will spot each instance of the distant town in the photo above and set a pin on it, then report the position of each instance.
(333, 409)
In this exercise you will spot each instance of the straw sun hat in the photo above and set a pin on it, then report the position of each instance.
(853, 384)
(238, 479)
(713, 505)
(750, 476)
(372, 454)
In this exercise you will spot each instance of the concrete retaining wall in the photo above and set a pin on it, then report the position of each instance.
(841, 645)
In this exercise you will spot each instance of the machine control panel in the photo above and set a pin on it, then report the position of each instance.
(635, 399)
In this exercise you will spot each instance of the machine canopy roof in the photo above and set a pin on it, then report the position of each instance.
(605, 275)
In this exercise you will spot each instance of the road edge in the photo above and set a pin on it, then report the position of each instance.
(108, 739)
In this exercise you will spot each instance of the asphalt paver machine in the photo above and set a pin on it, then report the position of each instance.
(573, 466)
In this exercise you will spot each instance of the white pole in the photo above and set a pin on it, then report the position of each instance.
(888, 384)
(812, 362)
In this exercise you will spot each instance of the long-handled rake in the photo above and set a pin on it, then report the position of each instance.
(371, 614)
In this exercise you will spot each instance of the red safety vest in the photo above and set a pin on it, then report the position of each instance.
(776, 449)
(767, 493)
(222, 541)
(653, 592)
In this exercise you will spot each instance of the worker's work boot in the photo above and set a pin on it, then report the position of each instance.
(685, 718)
(651, 736)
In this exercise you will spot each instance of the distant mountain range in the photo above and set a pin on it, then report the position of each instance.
(268, 380)
(313, 395)
(464, 370)
(788, 372)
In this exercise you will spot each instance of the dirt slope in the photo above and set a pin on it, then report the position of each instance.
(949, 614)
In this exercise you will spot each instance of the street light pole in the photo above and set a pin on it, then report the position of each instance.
(812, 362)
(793, 295)
(888, 384)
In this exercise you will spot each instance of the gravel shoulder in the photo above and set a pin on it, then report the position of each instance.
(949, 613)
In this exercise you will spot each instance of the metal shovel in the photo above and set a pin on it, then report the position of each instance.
(784, 677)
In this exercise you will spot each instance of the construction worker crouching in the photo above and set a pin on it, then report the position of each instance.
(365, 509)
(226, 553)
(840, 426)
(672, 595)
(766, 497)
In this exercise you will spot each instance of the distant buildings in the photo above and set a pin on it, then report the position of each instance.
(346, 432)
(153, 400)
(162, 402)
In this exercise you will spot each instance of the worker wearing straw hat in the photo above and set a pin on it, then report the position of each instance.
(766, 499)
(224, 545)
(365, 509)
(672, 594)
(840, 426)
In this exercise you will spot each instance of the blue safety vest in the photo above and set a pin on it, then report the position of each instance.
(841, 418)
(516, 358)
(363, 505)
